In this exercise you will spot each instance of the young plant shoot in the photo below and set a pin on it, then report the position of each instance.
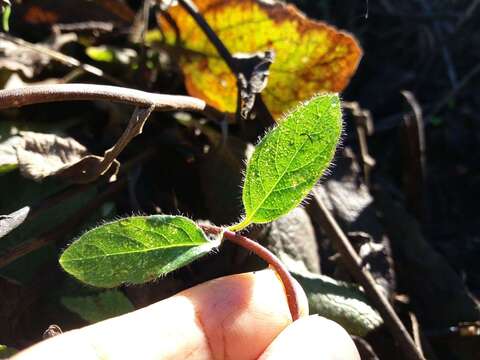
(283, 169)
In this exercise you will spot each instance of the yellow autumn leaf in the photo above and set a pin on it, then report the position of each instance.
(310, 56)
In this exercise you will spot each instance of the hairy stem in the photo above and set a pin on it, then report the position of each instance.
(240, 226)
(265, 254)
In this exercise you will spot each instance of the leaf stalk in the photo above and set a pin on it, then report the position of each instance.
(240, 226)
(287, 280)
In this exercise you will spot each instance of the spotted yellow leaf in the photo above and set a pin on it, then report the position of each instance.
(310, 56)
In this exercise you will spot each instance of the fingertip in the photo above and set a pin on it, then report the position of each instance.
(312, 337)
(242, 314)
(234, 317)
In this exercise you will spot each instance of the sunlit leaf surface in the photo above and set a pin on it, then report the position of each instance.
(290, 159)
(135, 250)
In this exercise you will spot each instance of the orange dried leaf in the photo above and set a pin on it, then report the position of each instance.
(310, 56)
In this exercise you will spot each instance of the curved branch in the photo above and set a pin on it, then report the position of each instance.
(265, 254)
(67, 92)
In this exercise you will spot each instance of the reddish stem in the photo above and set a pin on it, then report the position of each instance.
(282, 272)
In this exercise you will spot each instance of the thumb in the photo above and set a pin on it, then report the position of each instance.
(312, 337)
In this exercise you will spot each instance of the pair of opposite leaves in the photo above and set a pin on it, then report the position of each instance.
(282, 170)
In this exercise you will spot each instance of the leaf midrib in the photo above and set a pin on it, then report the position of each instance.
(138, 251)
(248, 219)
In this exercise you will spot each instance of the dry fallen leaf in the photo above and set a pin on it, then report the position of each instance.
(40, 155)
(43, 155)
(22, 57)
(91, 167)
(12, 220)
(310, 56)
(18, 59)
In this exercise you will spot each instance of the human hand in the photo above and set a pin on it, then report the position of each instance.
(240, 317)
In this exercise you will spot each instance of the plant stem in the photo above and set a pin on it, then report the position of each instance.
(265, 254)
(354, 264)
(67, 92)
(60, 57)
(240, 226)
(222, 50)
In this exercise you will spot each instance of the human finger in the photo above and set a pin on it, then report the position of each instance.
(234, 317)
(312, 337)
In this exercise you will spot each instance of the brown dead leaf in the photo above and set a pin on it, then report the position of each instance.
(310, 56)
(18, 59)
(91, 167)
(42, 155)
(12, 220)
(27, 59)
(88, 169)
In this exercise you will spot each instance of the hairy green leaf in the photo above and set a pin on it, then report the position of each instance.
(135, 250)
(290, 159)
(98, 307)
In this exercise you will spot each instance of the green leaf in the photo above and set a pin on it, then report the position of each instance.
(339, 301)
(342, 302)
(153, 36)
(100, 53)
(290, 159)
(5, 168)
(6, 352)
(6, 12)
(98, 307)
(111, 54)
(135, 250)
(8, 153)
